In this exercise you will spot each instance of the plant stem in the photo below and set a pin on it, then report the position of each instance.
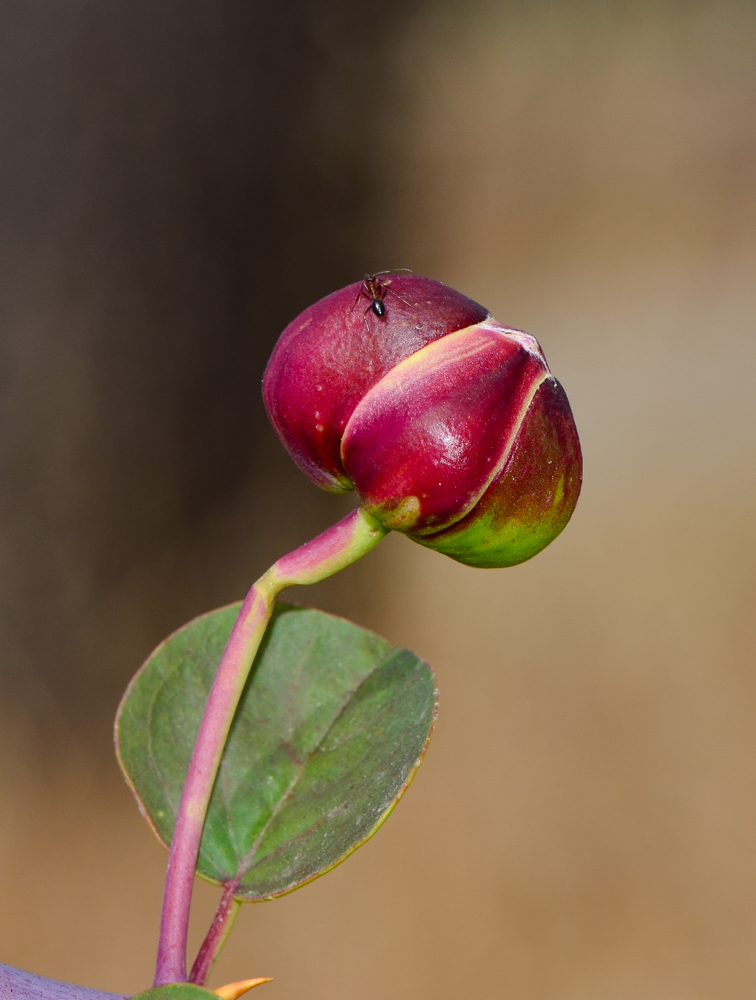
(223, 922)
(325, 555)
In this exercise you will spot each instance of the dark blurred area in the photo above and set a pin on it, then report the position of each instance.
(177, 181)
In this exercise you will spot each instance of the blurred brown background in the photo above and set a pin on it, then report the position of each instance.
(177, 181)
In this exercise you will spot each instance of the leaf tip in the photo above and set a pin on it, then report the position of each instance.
(233, 990)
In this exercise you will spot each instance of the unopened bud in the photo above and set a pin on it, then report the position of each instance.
(449, 425)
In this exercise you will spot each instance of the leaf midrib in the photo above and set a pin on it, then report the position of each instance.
(247, 863)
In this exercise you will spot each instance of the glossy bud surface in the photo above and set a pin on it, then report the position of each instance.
(449, 425)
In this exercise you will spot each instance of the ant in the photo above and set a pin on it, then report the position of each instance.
(374, 289)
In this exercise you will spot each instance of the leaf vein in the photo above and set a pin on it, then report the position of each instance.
(248, 861)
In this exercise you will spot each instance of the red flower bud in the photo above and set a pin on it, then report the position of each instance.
(449, 425)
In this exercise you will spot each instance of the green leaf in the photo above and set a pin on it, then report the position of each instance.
(177, 991)
(332, 725)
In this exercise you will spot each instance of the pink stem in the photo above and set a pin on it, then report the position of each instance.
(336, 548)
(182, 860)
(216, 936)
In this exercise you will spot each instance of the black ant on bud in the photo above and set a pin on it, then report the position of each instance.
(374, 289)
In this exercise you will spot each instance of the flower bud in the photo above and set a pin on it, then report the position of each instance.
(449, 425)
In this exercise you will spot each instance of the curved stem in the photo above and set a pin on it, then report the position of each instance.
(220, 928)
(325, 555)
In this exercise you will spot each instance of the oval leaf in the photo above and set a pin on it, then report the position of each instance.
(331, 727)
